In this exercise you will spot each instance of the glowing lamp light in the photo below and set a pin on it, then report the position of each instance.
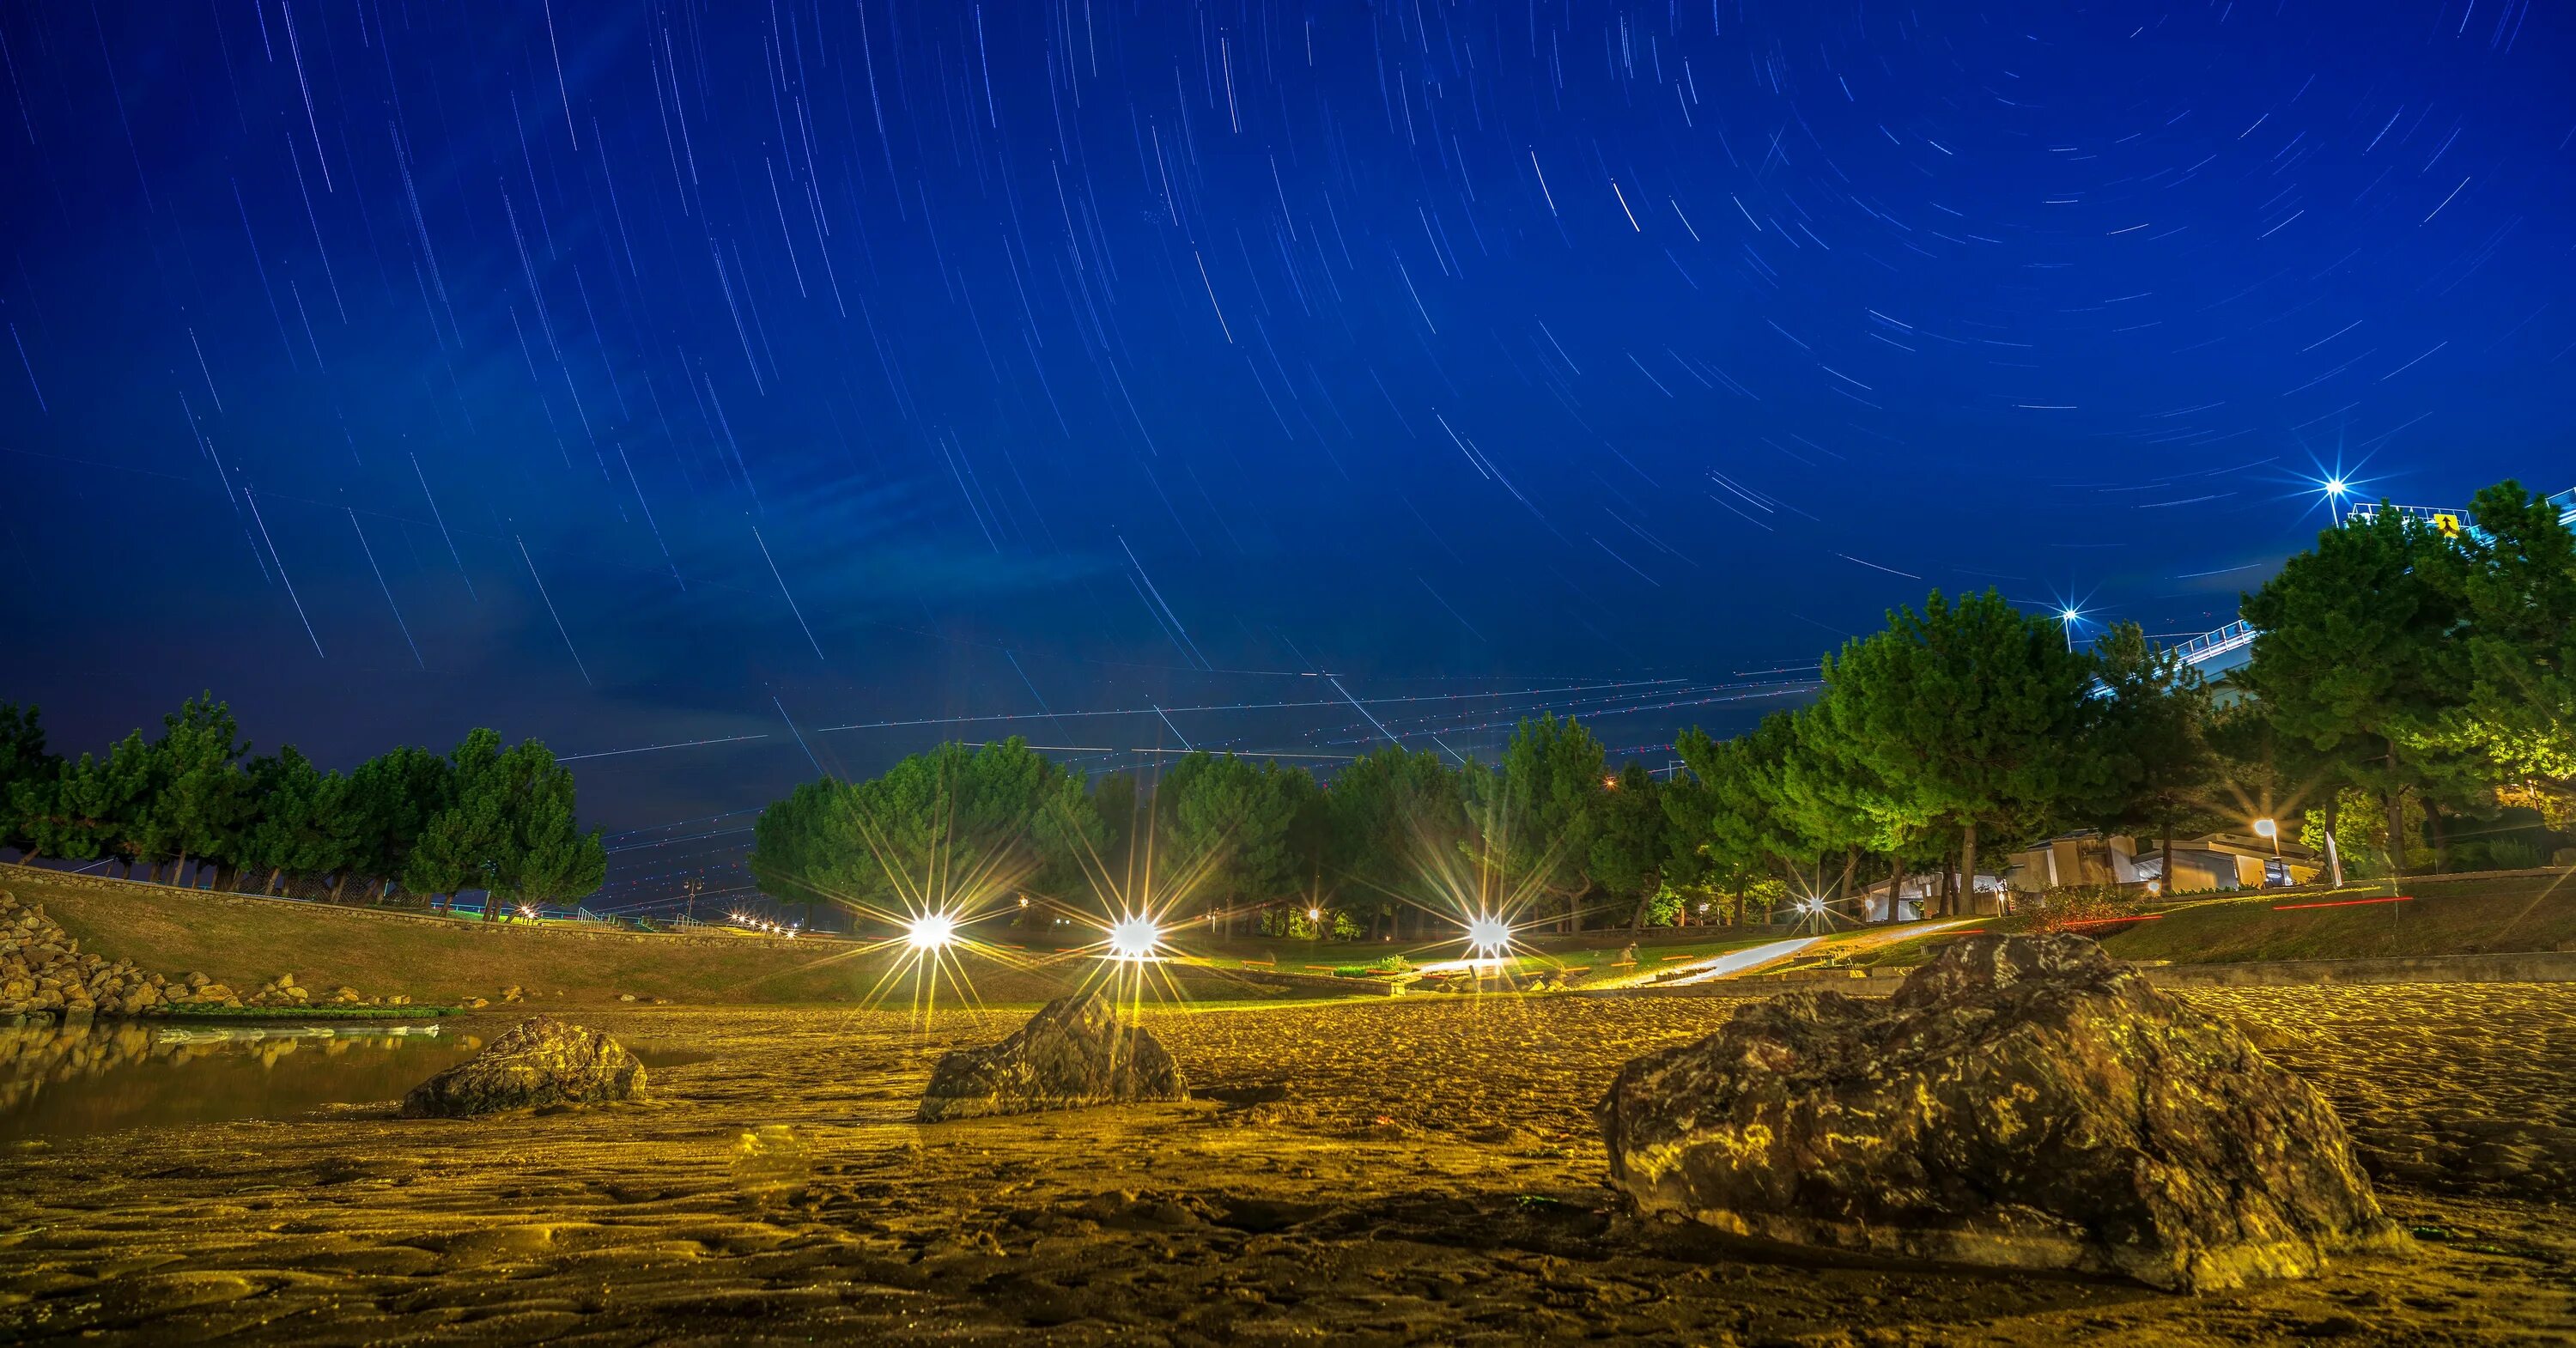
(1134, 938)
(1489, 935)
(2336, 486)
(930, 931)
(2069, 615)
(1314, 914)
(2265, 828)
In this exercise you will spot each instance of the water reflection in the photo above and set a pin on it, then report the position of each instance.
(69, 1080)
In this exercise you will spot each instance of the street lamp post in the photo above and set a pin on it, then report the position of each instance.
(2069, 616)
(2268, 828)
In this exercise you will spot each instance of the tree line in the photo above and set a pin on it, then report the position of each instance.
(194, 804)
(2410, 683)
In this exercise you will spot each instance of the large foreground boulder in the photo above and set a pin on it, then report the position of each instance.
(2020, 1102)
(1074, 1053)
(532, 1064)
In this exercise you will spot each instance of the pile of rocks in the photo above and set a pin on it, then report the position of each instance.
(45, 975)
(283, 991)
(43, 972)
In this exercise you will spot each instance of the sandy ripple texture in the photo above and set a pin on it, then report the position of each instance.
(1414, 1171)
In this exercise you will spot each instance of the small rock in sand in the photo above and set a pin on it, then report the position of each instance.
(1074, 1053)
(534, 1063)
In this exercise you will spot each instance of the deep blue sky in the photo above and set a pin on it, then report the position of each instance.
(1097, 356)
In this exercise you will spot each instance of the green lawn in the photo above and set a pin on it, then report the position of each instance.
(2466, 916)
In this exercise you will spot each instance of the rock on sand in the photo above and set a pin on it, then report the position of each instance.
(2020, 1103)
(1074, 1053)
(532, 1064)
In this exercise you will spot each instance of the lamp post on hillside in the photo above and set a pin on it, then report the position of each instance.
(2069, 616)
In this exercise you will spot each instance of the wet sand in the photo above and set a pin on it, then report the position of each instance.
(1416, 1171)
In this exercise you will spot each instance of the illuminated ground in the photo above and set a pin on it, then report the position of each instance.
(1421, 1170)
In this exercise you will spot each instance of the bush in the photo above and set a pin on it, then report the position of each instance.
(2512, 854)
(1384, 968)
(2079, 908)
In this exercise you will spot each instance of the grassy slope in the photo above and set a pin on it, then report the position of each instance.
(244, 942)
(1595, 951)
(2468, 916)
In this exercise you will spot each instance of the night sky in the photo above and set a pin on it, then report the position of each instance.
(756, 374)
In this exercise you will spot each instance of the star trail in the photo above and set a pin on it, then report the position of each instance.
(722, 391)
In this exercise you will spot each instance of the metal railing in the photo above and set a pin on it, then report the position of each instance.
(2209, 646)
(2368, 510)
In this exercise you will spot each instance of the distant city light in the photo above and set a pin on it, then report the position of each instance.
(1134, 938)
(930, 931)
(1488, 935)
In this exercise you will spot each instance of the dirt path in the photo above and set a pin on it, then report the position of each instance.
(1420, 1171)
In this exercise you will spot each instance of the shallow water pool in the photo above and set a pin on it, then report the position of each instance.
(60, 1081)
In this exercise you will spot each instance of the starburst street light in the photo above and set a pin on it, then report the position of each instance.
(1134, 938)
(2335, 488)
(2070, 615)
(930, 931)
(1488, 936)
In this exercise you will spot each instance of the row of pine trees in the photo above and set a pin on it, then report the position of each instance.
(195, 806)
(2413, 694)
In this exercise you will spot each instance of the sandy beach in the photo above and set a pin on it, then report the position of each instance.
(1409, 1171)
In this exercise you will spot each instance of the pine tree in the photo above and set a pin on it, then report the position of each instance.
(1973, 715)
(2517, 651)
(547, 858)
(201, 797)
(1540, 811)
(1397, 825)
(306, 824)
(1629, 850)
(459, 847)
(2354, 658)
(2159, 773)
(26, 774)
(395, 795)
